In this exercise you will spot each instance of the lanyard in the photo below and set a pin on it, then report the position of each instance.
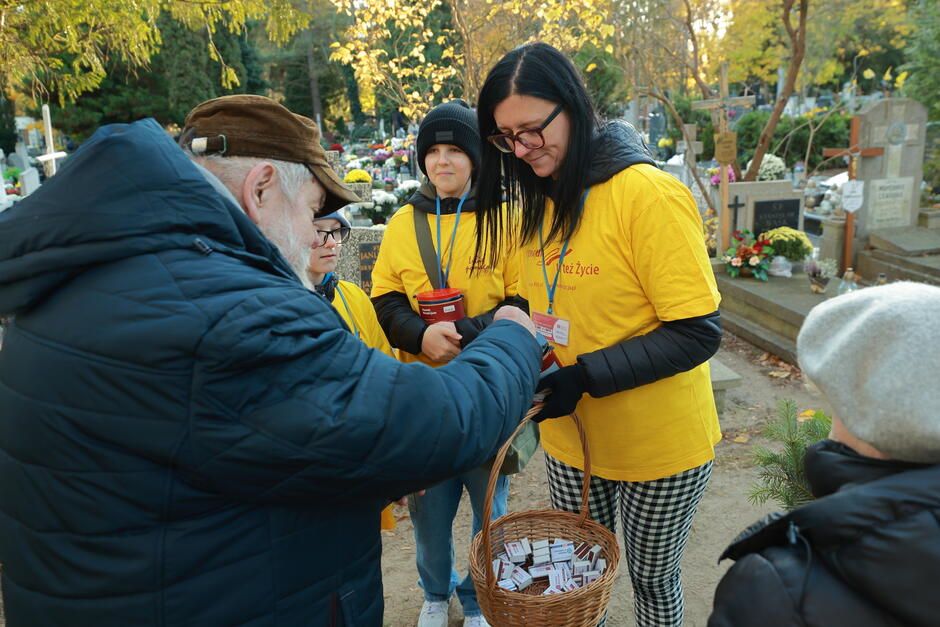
(561, 258)
(442, 280)
(352, 318)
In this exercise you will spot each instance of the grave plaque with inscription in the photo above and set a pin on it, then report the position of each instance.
(769, 214)
(888, 202)
(897, 126)
(368, 252)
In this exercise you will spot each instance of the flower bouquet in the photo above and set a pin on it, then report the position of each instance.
(748, 256)
(357, 175)
(790, 245)
(381, 156)
(715, 175)
(789, 242)
(360, 182)
(406, 190)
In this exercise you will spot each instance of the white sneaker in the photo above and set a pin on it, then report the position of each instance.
(475, 621)
(433, 614)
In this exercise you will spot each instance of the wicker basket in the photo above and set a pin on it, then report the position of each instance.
(504, 608)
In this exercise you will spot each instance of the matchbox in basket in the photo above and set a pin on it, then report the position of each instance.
(543, 598)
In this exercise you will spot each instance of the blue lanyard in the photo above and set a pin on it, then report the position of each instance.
(352, 318)
(561, 258)
(442, 280)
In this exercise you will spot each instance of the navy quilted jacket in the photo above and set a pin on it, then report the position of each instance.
(187, 435)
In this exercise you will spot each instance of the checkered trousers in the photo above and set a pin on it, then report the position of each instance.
(655, 516)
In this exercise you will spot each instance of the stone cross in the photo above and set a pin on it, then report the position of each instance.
(49, 159)
(719, 107)
(854, 153)
(734, 206)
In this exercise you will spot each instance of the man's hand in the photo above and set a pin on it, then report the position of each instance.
(516, 315)
(403, 501)
(441, 342)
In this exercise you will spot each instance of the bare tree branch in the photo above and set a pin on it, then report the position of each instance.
(680, 123)
(797, 38)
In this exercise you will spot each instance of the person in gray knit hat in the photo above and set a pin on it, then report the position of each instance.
(875, 355)
(867, 551)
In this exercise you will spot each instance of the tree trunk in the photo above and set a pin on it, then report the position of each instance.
(352, 94)
(313, 75)
(798, 49)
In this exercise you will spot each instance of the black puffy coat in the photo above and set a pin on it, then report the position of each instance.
(188, 436)
(866, 555)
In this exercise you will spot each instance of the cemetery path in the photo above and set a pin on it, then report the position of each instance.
(723, 513)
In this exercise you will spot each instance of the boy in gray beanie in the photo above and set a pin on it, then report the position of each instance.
(867, 552)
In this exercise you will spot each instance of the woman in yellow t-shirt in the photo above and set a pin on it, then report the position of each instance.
(618, 279)
(352, 304)
(448, 146)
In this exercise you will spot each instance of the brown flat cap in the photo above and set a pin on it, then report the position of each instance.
(246, 125)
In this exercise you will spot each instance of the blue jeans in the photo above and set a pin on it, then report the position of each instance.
(433, 518)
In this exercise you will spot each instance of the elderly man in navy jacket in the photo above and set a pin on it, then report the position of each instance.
(188, 435)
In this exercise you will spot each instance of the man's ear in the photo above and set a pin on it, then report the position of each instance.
(257, 188)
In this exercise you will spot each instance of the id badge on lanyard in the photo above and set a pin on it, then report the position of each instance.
(556, 330)
(552, 328)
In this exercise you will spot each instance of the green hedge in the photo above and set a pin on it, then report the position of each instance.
(791, 146)
(834, 133)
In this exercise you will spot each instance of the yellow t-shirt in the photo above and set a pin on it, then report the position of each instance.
(399, 268)
(637, 258)
(360, 316)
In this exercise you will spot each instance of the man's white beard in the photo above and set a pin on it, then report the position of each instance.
(296, 254)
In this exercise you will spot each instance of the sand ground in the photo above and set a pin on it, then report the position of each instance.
(723, 512)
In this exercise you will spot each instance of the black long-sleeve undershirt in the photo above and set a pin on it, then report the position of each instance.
(675, 346)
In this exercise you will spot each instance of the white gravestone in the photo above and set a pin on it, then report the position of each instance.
(29, 180)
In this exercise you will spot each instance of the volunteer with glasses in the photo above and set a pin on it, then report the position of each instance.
(618, 279)
(352, 304)
(444, 209)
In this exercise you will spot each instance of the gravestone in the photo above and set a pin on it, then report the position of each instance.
(769, 214)
(358, 256)
(368, 253)
(892, 179)
(29, 181)
(19, 158)
(764, 205)
(332, 158)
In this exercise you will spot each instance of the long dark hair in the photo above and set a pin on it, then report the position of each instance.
(539, 70)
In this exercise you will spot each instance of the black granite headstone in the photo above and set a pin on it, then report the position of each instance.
(368, 252)
(769, 214)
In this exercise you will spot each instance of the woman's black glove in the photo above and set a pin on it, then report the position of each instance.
(565, 386)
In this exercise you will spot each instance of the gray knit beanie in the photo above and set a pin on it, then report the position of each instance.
(452, 123)
(875, 354)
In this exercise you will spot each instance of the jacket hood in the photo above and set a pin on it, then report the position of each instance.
(424, 197)
(617, 146)
(881, 536)
(129, 190)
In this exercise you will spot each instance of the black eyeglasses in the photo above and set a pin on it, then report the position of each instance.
(339, 235)
(530, 138)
